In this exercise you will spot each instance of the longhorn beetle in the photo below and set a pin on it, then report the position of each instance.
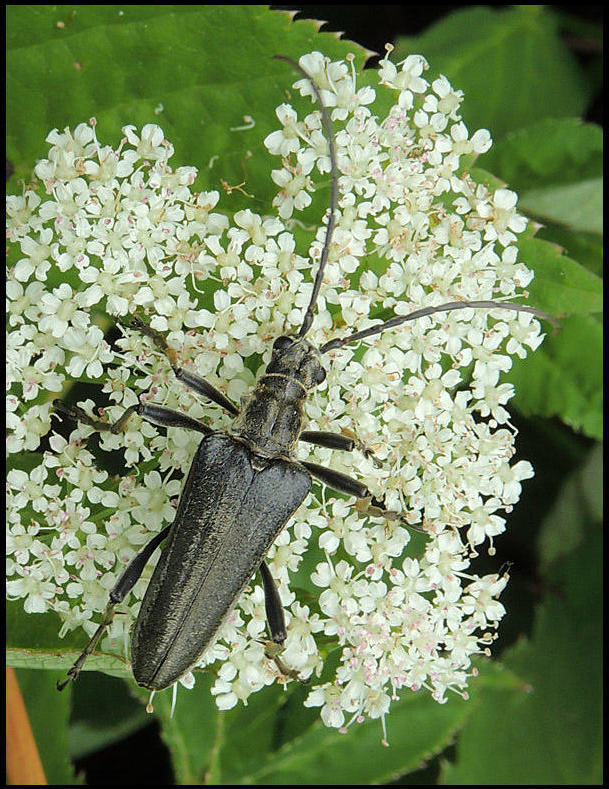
(242, 487)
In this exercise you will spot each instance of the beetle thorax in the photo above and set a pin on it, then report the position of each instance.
(271, 416)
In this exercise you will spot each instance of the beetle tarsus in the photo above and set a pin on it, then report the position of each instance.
(361, 447)
(61, 685)
(80, 415)
(272, 651)
(157, 337)
(377, 508)
(191, 380)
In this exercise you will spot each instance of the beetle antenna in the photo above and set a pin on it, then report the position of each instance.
(327, 125)
(448, 307)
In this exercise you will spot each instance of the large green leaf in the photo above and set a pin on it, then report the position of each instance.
(510, 62)
(548, 153)
(564, 376)
(48, 712)
(216, 747)
(561, 286)
(586, 248)
(195, 70)
(576, 206)
(418, 728)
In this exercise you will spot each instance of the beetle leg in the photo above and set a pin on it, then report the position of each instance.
(192, 381)
(276, 623)
(123, 586)
(204, 388)
(74, 671)
(345, 440)
(272, 606)
(156, 414)
(165, 417)
(337, 480)
(353, 487)
(328, 440)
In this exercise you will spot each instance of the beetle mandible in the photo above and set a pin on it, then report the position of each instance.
(243, 486)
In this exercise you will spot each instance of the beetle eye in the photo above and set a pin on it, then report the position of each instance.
(282, 342)
(320, 375)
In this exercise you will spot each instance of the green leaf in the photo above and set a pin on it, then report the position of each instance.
(193, 732)
(586, 248)
(259, 744)
(418, 728)
(32, 641)
(561, 286)
(564, 376)
(551, 152)
(576, 206)
(48, 712)
(104, 711)
(511, 64)
(556, 166)
(548, 730)
(580, 503)
(195, 70)
(234, 757)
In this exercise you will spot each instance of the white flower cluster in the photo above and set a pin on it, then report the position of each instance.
(105, 232)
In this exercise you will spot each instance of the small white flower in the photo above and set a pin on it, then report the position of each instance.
(286, 140)
(294, 193)
(89, 351)
(38, 253)
(150, 145)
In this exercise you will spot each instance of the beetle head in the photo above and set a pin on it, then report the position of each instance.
(296, 358)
